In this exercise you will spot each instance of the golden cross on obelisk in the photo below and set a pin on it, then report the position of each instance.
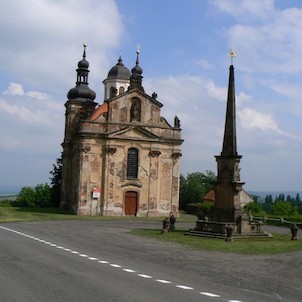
(232, 54)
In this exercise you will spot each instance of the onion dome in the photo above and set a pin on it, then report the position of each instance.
(136, 76)
(81, 90)
(119, 71)
(137, 69)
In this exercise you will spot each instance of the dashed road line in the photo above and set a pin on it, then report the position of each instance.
(144, 276)
(128, 270)
(184, 287)
(103, 262)
(209, 295)
(163, 281)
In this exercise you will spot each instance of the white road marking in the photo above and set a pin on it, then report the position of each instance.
(184, 287)
(128, 270)
(163, 281)
(144, 276)
(210, 295)
(111, 264)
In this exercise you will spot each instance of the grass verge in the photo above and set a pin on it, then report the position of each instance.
(19, 214)
(277, 245)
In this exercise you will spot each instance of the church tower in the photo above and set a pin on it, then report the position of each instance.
(117, 81)
(79, 106)
(227, 205)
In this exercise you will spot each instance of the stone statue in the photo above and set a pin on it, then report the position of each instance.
(294, 230)
(176, 122)
(172, 223)
(166, 225)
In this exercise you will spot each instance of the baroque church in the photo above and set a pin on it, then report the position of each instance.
(120, 157)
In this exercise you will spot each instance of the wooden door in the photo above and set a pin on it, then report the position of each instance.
(130, 203)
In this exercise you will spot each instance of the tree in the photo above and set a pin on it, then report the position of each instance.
(183, 190)
(283, 208)
(195, 186)
(26, 198)
(56, 182)
(254, 208)
(40, 196)
(268, 201)
(43, 195)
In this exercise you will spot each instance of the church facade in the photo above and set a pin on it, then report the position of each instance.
(120, 157)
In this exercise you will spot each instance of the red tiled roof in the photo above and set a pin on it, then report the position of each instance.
(97, 112)
(210, 196)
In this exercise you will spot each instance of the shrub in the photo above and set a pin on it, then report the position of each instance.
(199, 208)
(26, 197)
(40, 196)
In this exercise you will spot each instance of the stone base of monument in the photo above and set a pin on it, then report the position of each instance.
(227, 230)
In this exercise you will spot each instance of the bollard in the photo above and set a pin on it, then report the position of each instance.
(229, 232)
(166, 225)
(294, 229)
(172, 223)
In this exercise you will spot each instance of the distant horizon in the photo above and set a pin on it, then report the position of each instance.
(7, 190)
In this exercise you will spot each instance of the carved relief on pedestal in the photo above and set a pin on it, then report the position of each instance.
(154, 153)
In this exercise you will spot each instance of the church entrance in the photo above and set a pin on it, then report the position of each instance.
(131, 203)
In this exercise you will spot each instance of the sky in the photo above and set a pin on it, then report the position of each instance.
(184, 56)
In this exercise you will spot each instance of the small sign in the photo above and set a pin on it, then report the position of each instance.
(96, 193)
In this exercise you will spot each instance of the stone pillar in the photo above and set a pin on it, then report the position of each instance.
(153, 183)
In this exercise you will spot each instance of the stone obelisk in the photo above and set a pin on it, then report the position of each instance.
(227, 206)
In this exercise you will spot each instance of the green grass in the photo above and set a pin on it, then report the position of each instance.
(278, 244)
(10, 214)
(15, 214)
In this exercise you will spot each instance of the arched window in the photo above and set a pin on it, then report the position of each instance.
(113, 92)
(121, 90)
(132, 163)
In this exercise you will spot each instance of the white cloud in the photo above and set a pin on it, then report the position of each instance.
(44, 46)
(272, 44)
(259, 9)
(215, 92)
(15, 89)
(37, 95)
(250, 118)
(28, 116)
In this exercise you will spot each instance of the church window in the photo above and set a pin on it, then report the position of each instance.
(121, 90)
(135, 110)
(113, 92)
(132, 163)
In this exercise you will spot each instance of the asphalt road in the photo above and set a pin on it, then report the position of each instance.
(101, 261)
